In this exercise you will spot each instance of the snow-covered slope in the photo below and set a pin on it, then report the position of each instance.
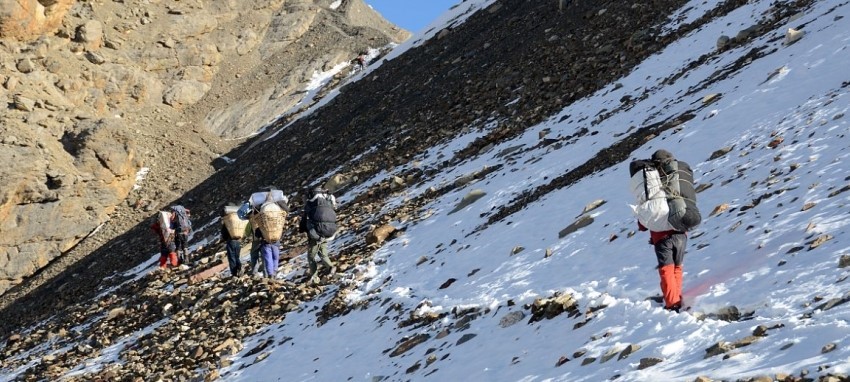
(450, 298)
(756, 255)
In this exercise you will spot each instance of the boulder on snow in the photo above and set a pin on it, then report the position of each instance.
(792, 35)
(378, 235)
(470, 198)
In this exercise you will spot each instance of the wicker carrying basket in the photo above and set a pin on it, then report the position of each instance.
(235, 226)
(270, 221)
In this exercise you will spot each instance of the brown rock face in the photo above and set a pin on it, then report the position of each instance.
(52, 198)
(98, 90)
(29, 19)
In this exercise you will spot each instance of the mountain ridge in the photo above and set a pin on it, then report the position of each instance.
(474, 219)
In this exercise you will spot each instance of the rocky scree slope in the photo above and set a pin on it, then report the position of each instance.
(99, 90)
(299, 154)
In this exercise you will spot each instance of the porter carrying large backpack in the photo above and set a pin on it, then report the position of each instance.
(321, 216)
(664, 190)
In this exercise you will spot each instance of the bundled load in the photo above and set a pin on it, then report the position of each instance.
(181, 215)
(665, 194)
(270, 220)
(164, 220)
(235, 226)
(258, 199)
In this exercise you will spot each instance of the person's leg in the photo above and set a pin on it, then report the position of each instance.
(274, 261)
(267, 251)
(168, 254)
(666, 270)
(255, 257)
(680, 241)
(182, 251)
(323, 254)
(163, 254)
(232, 248)
(312, 249)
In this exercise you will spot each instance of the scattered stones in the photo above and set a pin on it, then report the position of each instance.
(839, 191)
(720, 208)
(549, 308)
(95, 58)
(720, 153)
(722, 42)
(466, 337)
(380, 234)
(562, 361)
(91, 34)
(710, 98)
(409, 343)
(629, 350)
(775, 142)
(448, 283)
(829, 347)
(792, 35)
(25, 65)
(844, 261)
(593, 205)
(511, 318)
(470, 198)
(820, 240)
(648, 362)
(23, 103)
(581, 222)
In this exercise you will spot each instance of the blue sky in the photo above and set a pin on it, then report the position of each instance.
(412, 15)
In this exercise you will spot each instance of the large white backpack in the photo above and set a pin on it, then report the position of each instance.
(665, 195)
(652, 209)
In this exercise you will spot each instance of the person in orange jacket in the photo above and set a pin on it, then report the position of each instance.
(670, 253)
(167, 249)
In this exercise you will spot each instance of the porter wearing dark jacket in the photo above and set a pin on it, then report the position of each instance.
(319, 222)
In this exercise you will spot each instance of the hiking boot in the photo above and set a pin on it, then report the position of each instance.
(332, 271)
(675, 307)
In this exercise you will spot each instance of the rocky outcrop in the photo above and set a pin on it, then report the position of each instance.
(57, 191)
(29, 19)
(100, 90)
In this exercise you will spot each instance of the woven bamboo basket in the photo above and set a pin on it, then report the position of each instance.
(235, 226)
(270, 221)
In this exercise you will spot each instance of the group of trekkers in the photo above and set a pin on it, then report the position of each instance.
(263, 217)
(662, 185)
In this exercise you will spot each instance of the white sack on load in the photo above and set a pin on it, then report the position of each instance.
(263, 197)
(164, 219)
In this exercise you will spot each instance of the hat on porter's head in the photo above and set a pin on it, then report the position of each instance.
(662, 155)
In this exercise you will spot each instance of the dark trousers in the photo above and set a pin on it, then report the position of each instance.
(233, 247)
(670, 253)
(671, 250)
(181, 240)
